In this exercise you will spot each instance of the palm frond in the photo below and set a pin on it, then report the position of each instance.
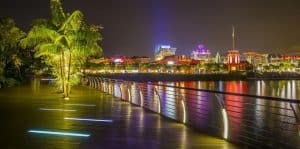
(73, 22)
(63, 41)
(58, 15)
(47, 49)
(39, 35)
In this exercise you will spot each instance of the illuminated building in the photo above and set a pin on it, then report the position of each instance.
(218, 58)
(164, 50)
(175, 60)
(291, 58)
(275, 58)
(255, 58)
(141, 59)
(233, 61)
(120, 59)
(233, 57)
(201, 53)
(250, 57)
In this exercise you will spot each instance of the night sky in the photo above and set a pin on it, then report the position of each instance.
(133, 27)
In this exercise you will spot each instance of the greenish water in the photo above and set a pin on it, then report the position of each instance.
(132, 127)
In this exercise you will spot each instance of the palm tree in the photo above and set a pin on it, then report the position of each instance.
(65, 41)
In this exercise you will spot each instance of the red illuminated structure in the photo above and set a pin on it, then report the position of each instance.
(122, 60)
(176, 60)
(233, 61)
(233, 57)
(291, 57)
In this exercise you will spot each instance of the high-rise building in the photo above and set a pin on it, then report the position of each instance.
(162, 51)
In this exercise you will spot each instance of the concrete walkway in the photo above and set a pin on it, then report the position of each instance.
(39, 108)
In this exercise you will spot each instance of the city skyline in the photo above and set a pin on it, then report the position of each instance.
(138, 27)
(150, 74)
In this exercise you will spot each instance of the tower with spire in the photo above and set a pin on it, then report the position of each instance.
(233, 55)
(233, 38)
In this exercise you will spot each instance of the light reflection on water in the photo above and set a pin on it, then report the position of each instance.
(276, 88)
(261, 113)
(170, 101)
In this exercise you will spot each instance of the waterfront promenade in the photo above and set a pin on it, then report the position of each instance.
(26, 109)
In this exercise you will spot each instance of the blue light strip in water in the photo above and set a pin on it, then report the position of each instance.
(78, 104)
(49, 109)
(87, 119)
(59, 133)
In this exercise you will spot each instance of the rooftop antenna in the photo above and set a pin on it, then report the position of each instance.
(233, 38)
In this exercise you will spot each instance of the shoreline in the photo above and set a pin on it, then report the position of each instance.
(144, 77)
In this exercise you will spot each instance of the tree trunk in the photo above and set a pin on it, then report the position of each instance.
(69, 73)
(61, 74)
(64, 75)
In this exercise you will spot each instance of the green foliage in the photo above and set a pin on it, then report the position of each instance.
(57, 12)
(64, 42)
(10, 58)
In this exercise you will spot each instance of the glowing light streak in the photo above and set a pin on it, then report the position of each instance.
(184, 111)
(142, 98)
(158, 106)
(158, 98)
(87, 119)
(45, 79)
(129, 95)
(59, 133)
(49, 109)
(225, 122)
(79, 104)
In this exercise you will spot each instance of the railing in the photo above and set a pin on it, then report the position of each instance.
(250, 120)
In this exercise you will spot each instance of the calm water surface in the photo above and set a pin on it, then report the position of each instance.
(251, 120)
(275, 88)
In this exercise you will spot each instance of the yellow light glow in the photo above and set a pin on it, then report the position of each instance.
(184, 112)
(225, 123)
(158, 106)
(142, 98)
(121, 95)
(158, 99)
(129, 95)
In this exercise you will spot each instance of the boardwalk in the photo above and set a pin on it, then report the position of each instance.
(40, 108)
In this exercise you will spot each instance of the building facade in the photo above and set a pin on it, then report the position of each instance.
(201, 54)
(163, 51)
(233, 61)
